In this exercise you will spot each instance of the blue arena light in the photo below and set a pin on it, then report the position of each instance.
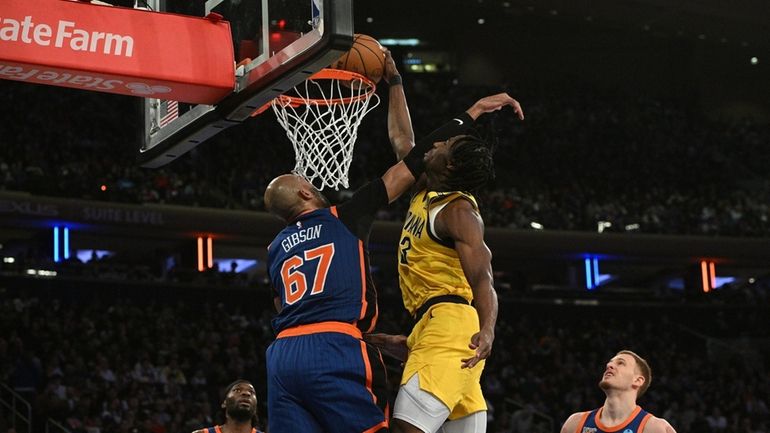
(66, 243)
(56, 258)
(589, 275)
(597, 280)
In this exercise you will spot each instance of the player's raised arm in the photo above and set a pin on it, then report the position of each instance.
(400, 131)
(399, 178)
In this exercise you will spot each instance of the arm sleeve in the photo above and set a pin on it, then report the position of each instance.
(457, 126)
(461, 124)
(358, 213)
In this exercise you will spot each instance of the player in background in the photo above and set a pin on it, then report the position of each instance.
(626, 378)
(240, 409)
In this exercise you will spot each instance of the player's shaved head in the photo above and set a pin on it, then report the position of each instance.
(289, 195)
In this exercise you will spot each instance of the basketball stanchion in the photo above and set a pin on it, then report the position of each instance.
(321, 118)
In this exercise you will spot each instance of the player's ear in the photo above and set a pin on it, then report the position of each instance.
(639, 381)
(223, 406)
(306, 194)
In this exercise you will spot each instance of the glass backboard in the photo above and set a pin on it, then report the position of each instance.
(277, 45)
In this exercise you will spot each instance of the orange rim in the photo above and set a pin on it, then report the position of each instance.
(333, 74)
(326, 74)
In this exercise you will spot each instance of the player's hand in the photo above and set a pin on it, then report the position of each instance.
(481, 342)
(391, 345)
(390, 66)
(493, 103)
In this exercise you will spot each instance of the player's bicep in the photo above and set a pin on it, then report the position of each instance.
(278, 304)
(462, 223)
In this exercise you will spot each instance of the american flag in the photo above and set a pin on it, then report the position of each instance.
(169, 110)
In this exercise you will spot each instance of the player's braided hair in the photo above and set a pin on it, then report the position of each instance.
(472, 163)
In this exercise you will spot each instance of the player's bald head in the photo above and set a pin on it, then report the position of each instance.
(290, 195)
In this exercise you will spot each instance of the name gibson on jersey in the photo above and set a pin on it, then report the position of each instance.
(300, 236)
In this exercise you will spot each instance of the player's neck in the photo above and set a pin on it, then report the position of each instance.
(232, 426)
(436, 184)
(301, 211)
(617, 408)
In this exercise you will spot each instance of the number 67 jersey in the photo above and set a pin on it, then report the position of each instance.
(319, 267)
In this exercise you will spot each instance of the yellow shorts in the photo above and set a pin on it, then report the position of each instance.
(436, 345)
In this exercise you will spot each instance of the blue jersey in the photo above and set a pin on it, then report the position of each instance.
(319, 267)
(634, 424)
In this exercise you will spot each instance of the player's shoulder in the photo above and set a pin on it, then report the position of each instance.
(203, 430)
(658, 425)
(573, 422)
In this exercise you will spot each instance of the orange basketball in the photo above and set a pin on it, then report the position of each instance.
(365, 57)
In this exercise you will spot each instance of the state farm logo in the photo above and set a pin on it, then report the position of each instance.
(83, 81)
(146, 90)
(65, 34)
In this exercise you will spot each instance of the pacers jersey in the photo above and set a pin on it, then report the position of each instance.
(591, 422)
(320, 270)
(427, 265)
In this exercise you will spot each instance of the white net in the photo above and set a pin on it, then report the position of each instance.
(321, 120)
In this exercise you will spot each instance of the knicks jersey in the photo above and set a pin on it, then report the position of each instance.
(427, 265)
(320, 270)
(634, 424)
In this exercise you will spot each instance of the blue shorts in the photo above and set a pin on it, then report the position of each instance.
(325, 382)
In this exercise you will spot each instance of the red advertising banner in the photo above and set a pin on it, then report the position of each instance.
(116, 50)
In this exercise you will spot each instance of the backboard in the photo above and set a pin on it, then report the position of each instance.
(277, 45)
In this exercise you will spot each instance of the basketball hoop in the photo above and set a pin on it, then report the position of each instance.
(321, 118)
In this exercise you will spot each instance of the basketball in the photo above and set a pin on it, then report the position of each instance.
(365, 57)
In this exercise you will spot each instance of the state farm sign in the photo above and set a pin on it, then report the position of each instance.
(65, 34)
(116, 50)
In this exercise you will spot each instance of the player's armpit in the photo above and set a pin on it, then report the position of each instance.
(278, 304)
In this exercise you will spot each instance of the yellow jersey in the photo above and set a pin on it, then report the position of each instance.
(429, 266)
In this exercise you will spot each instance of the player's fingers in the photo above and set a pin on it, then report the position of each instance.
(519, 110)
(470, 362)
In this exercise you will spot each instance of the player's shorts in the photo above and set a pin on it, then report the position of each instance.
(324, 378)
(437, 344)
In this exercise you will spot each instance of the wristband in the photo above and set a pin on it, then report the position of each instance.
(395, 80)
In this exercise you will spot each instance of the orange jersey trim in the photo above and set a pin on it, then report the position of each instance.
(362, 265)
(333, 210)
(377, 427)
(582, 421)
(315, 328)
(619, 426)
(644, 421)
(368, 368)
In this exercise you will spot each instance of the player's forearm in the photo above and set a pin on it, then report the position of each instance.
(485, 301)
(400, 129)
